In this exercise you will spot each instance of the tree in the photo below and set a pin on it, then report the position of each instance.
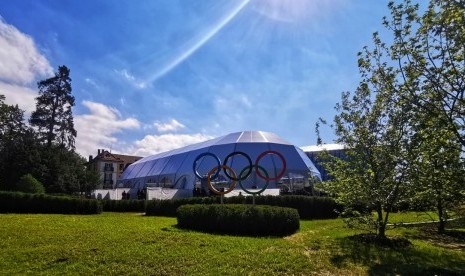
(11, 119)
(53, 116)
(65, 171)
(429, 50)
(89, 181)
(373, 125)
(436, 166)
(28, 184)
(19, 149)
(405, 125)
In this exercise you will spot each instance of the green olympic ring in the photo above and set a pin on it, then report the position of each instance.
(250, 168)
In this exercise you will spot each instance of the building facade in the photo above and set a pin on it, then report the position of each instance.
(110, 166)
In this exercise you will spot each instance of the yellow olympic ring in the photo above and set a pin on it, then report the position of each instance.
(210, 186)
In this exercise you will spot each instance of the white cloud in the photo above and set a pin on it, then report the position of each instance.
(21, 62)
(152, 144)
(172, 125)
(96, 130)
(24, 97)
(137, 83)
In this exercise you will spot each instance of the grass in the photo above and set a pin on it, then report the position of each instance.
(122, 243)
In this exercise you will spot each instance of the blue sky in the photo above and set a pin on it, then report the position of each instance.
(150, 76)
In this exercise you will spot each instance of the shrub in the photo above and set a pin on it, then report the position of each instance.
(123, 205)
(11, 202)
(28, 184)
(239, 219)
(168, 208)
(307, 206)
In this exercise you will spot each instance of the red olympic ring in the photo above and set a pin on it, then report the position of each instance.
(280, 173)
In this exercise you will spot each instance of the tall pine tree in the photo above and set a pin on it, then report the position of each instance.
(53, 116)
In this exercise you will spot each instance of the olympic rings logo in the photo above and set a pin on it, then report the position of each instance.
(243, 175)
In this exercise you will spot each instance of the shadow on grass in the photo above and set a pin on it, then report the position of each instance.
(410, 260)
(451, 238)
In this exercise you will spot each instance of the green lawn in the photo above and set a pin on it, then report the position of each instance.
(122, 243)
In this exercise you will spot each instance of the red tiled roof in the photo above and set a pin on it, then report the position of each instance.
(120, 158)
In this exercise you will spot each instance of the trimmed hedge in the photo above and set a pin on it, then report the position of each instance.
(239, 219)
(123, 205)
(307, 206)
(16, 202)
(167, 208)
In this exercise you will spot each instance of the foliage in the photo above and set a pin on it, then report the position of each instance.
(373, 125)
(404, 125)
(141, 245)
(238, 219)
(430, 54)
(46, 204)
(437, 169)
(19, 150)
(123, 205)
(308, 207)
(65, 172)
(53, 116)
(28, 184)
(429, 50)
(23, 151)
(168, 207)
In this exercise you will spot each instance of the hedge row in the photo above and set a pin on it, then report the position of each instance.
(308, 207)
(123, 205)
(239, 219)
(16, 202)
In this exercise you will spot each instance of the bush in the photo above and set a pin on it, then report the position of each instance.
(239, 219)
(123, 205)
(307, 206)
(168, 208)
(11, 202)
(28, 184)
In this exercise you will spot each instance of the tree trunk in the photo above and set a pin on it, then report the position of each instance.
(52, 123)
(381, 226)
(442, 219)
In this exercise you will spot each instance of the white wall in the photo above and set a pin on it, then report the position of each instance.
(163, 193)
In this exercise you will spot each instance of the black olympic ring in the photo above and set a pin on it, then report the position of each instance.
(225, 162)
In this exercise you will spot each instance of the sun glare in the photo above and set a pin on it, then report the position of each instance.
(292, 10)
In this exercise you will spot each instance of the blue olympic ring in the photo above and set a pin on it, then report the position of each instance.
(202, 155)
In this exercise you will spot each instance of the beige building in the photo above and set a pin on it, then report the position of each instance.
(110, 166)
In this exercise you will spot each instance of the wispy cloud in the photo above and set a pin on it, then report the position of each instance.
(92, 82)
(21, 62)
(131, 79)
(96, 129)
(188, 51)
(172, 125)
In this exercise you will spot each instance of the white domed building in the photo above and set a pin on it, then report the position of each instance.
(181, 170)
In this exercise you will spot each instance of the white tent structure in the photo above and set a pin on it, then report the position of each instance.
(176, 169)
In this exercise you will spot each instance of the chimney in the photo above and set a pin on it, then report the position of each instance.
(90, 158)
(98, 152)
